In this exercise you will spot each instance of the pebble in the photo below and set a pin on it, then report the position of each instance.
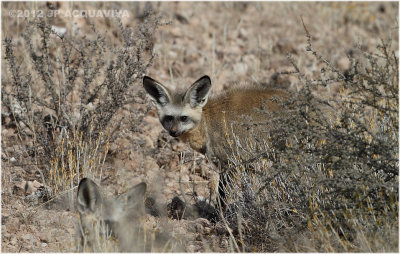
(343, 63)
(240, 68)
(44, 237)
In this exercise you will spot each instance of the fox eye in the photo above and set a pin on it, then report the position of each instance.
(168, 118)
(184, 118)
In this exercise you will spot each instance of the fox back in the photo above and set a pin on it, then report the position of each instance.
(211, 125)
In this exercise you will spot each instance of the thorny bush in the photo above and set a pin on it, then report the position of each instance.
(70, 83)
(335, 177)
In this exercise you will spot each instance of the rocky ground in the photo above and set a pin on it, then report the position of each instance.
(233, 43)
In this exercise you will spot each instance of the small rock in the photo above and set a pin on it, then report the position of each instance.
(199, 228)
(224, 243)
(4, 218)
(198, 237)
(13, 240)
(149, 142)
(32, 187)
(181, 18)
(284, 46)
(44, 237)
(243, 33)
(220, 228)
(28, 237)
(60, 31)
(191, 248)
(23, 188)
(343, 63)
(280, 80)
(13, 224)
(203, 222)
(172, 54)
(179, 146)
(176, 32)
(240, 68)
(89, 106)
(200, 225)
(19, 188)
(4, 233)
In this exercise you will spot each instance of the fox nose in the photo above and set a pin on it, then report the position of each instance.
(173, 133)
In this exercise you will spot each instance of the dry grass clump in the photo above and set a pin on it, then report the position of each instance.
(64, 94)
(327, 180)
(75, 157)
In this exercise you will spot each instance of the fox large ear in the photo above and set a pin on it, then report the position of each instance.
(89, 196)
(197, 94)
(158, 93)
(134, 198)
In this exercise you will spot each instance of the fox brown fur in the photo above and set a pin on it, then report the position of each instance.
(223, 114)
(208, 125)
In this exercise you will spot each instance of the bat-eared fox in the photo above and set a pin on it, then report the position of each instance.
(207, 122)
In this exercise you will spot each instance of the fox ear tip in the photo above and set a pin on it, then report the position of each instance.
(206, 77)
(203, 79)
(142, 185)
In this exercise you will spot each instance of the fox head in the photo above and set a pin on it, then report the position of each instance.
(179, 112)
(100, 216)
